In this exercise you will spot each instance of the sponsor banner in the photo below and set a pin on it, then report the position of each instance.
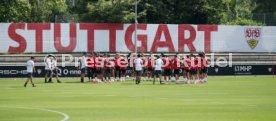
(88, 37)
(20, 71)
(71, 71)
(242, 70)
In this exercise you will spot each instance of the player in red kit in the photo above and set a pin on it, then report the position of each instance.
(108, 65)
(123, 66)
(187, 69)
(150, 66)
(91, 69)
(176, 68)
(167, 68)
(145, 67)
(117, 67)
(194, 69)
(99, 67)
(132, 58)
(203, 68)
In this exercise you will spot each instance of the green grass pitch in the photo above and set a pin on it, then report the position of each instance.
(221, 99)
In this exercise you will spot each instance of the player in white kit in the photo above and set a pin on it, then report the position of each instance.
(48, 69)
(30, 70)
(138, 64)
(55, 69)
(83, 66)
(158, 69)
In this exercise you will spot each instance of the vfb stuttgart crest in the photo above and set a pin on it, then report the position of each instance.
(253, 36)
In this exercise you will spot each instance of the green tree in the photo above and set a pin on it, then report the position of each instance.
(265, 12)
(265, 6)
(186, 11)
(106, 11)
(14, 10)
(31, 10)
(47, 10)
(149, 11)
(241, 12)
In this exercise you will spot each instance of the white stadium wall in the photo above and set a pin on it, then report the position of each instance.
(87, 37)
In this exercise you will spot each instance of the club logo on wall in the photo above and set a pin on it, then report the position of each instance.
(253, 36)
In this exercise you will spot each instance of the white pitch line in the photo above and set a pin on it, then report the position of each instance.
(66, 117)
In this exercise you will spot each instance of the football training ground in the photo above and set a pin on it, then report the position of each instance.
(221, 99)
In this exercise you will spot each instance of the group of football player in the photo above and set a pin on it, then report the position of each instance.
(51, 69)
(104, 68)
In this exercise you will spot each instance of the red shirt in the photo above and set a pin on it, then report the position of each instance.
(98, 62)
(131, 61)
(195, 64)
(164, 59)
(168, 63)
(123, 63)
(91, 62)
(176, 63)
(204, 62)
(116, 61)
(187, 64)
(107, 64)
(150, 62)
(144, 62)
